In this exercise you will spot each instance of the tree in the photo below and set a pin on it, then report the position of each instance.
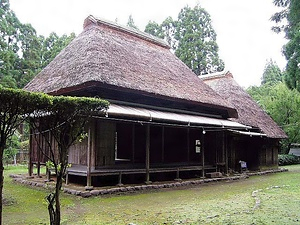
(15, 106)
(272, 73)
(169, 29)
(154, 29)
(197, 46)
(64, 123)
(288, 20)
(22, 53)
(52, 45)
(282, 104)
(130, 23)
(192, 38)
(19, 49)
(12, 148)
(9, 29)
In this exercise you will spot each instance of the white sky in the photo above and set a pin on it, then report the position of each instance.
(243, 27)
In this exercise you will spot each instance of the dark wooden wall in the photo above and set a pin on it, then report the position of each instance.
(78, 152)
(105, 143)
(259, 152)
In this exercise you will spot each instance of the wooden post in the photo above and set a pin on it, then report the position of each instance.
(30, 165)
(163, 144)
(188, 144)
(38, 165)
(177, 175)
(202, 154)
(226, 151)
(216, 151)
(89, 153)
(133, 143)
(120, 179)
(148, 154)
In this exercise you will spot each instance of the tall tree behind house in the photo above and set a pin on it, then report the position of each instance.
(192, 38)
(272, 73)
(281, 103)
(130, 23)
(288, 21)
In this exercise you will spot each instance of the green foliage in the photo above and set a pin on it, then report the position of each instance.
(197, 46)
(67, 118)
(64, 121)
(19, 49)
(169, 29)
(130, 23)
(220, 203)
(282, 104)
(52, 45)
(288, 20)
(22, 53)
(193, 39)
(12, 148)
(155, 29)
(287, 159)
(15, 106)
(272, 73)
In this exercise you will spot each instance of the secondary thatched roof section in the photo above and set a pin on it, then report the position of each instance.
(249, 112)
(110, 54)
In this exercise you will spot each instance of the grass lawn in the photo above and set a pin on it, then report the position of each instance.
(268, 199)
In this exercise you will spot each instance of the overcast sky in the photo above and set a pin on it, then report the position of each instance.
(243, 27)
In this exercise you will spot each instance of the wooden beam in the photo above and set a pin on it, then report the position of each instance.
(30, 165)
(148, 154)
(120, 179)
(88, 160)
(217, 158)
(188, 144)
(38, 165)
(163, 144)
(226, 151)
(133, 143)
(202, 154)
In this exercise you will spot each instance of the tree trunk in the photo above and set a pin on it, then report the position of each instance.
(54, 202)
(57, 198)
(1, 178)
(51, 201)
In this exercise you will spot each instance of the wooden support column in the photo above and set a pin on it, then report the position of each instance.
(225, 151)
(217, 158)
(120, 179)
(133, 143)
(88, 160)
(163, 144)
(177, 175)
(148, 154)
(38, 165)
(202, 153)
(30, 165)
(188, 144)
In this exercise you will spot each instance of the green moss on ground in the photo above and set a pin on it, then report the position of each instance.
(218, 203)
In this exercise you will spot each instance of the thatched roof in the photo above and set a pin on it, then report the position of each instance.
(109, 54)
(249, 112)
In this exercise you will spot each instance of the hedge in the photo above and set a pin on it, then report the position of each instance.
(288, 159)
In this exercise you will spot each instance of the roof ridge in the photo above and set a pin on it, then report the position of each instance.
(216, 75)
(91, 20)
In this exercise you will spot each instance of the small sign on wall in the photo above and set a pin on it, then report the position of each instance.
(198, 146)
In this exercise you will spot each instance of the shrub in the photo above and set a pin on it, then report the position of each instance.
(287, 159)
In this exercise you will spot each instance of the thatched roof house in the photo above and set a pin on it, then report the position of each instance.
(249, 112)
(158, 105)
(112, 57)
